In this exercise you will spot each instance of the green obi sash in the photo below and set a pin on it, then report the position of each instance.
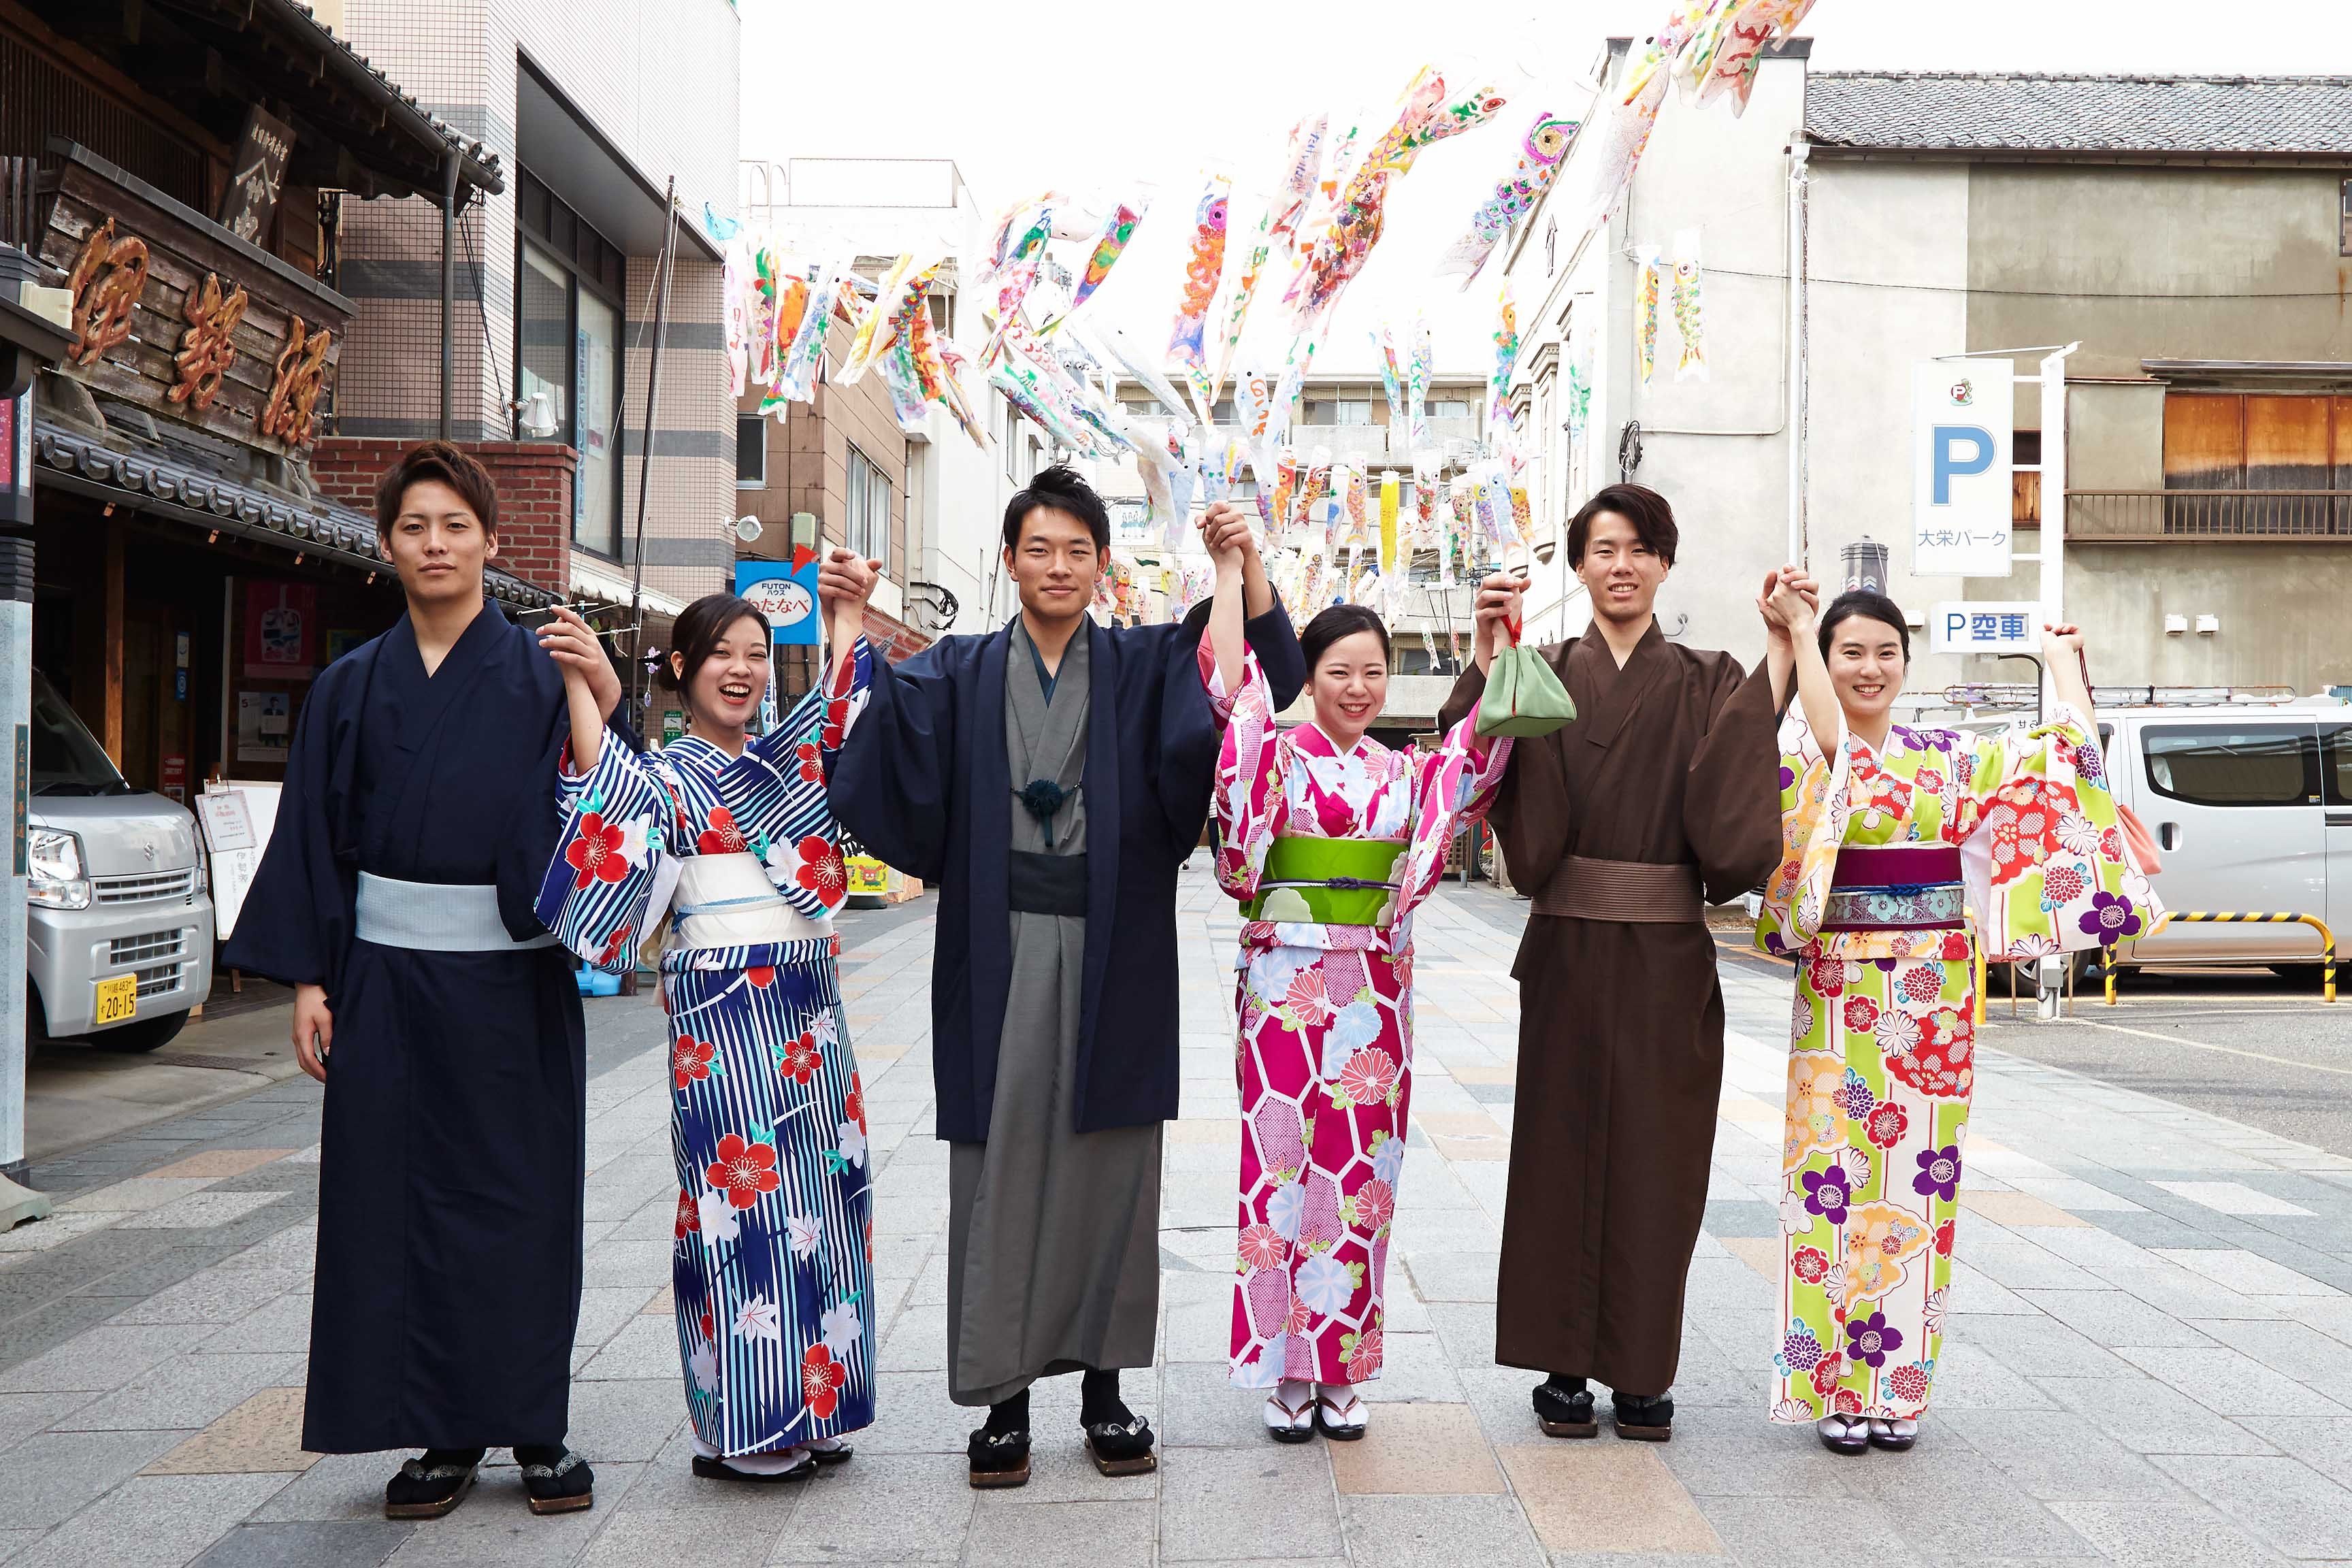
(1327, 881)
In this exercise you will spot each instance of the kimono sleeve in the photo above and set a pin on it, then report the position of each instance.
(295, 924)
(2040, 843)
(1189, 739)
(1529, 808)
(775, 792)
(890, 771)
(1453, 786)
(1730, 811)
(609, 856)
(1250, 790)
(1813, 811)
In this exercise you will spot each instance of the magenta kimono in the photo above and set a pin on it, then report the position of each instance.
(1329, 855)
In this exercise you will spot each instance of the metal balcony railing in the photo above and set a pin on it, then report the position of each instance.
(2209, 514)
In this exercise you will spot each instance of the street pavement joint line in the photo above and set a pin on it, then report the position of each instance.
(2225, 1050)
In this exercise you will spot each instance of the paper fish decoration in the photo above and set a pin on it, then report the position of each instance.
(1392, 492)
(1425, 498)
(879, 330)
(1237, 312)
(1724, 54)
(1358, 214)
(1507, 357)
(1203, 270)
(1298, 182)
(797, 370)
(1109, 245)
(1417, 375)
(1391, 377)
(1646, 316)
(1543, 152)
(1139, 369)
(1628, 118)
(1689, 321)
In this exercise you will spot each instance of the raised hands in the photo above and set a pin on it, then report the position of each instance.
(1789, 603)
(1226, 530)
(1495, 615)
(572, 644)
(844, 581)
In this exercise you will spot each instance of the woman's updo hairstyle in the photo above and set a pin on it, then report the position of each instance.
(1868, 605)
(1339, 621)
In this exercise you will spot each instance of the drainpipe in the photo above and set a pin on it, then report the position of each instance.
(448, 284)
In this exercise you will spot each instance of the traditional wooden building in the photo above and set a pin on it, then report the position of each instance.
(181, 170)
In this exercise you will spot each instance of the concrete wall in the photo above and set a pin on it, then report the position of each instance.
(2282, 608)
(2237, 246)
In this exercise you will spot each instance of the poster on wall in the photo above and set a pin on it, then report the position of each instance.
(785, 591)
(265, 726)
(1962, 413)
(282, 623)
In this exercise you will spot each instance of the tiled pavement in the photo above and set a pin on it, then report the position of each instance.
(2150, 1362)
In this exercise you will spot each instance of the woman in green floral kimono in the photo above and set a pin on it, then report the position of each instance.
(1901, 846)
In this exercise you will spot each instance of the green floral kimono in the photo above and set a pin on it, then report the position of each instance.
(1893, 862)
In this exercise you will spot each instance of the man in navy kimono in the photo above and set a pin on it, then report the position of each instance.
(396, 898)
(1050, 777)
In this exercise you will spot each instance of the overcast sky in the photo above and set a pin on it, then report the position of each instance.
(1096, 100)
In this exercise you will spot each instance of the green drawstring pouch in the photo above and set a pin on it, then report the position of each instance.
(1524, 698)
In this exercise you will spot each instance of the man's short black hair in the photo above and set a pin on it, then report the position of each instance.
(1645, 509)
(1060, 488)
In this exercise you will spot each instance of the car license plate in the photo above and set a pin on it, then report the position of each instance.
(116, 999)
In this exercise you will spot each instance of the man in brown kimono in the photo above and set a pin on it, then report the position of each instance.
(1663, 795)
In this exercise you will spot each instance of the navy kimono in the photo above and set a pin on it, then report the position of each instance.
(923, 783)
(452, 1155)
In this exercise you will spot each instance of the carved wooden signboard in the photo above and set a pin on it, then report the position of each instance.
(174, 315)
(259, 177)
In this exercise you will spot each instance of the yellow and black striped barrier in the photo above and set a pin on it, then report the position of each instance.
(2233, 917)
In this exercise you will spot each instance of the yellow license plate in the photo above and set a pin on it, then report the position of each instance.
(116, 999)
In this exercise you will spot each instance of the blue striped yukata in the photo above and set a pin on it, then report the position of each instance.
(772, 1254)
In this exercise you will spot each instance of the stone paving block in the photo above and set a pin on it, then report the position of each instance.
(2073, 1193)
(45, 1479)
(191, 1391)
(904, 1507)
(1420, 1450)
(22, 1415)
(2150, 1534)
(2052, 1459)
(136, 1196)
(1786, 1532)
(153, 1522)
(2016, 1264)
(198, 1211)
(1607, 1496)
(215, 1295)
(2230, 1382)
(2039, 1346)
(55, 1230)
(2283, 1501)
(1268, 1497)
(1015, 1527)
(2231, 1197)
(221, 1162)
(625, 1421)
(1439, 1531)
(2115, 1318)
(1760, 1253)
(1453, 1275)
(2148, 1417)
(2248, 1273)
(1200, 1408)
(916, 1341)
(1412, 1367)
(644, 1347)
(1742, 1455)
(1958, 1507)
(349, 1543)
(101, 1358)
(1466, 1327)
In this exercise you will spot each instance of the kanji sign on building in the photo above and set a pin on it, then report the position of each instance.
(1977, 626)
(1961, 410)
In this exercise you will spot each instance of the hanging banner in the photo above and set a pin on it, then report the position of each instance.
(280, 629)
(1961, 410)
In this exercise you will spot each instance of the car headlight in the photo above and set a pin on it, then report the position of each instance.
(53, 869)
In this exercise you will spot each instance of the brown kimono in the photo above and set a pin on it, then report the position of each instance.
(1672, 763)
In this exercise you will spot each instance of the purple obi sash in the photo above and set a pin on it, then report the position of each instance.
(1896, 887)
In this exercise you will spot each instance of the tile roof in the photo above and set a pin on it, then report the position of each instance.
(172, 480)
(2251, 116)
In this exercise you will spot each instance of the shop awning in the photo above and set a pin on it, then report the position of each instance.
(565, 151)
(167, 480)
(593, 579)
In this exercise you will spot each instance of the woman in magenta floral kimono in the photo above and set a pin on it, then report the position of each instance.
(1904, 848)
(1329, 839)
(729, 835)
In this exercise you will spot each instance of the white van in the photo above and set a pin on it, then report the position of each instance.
(2251, 805)
(118, 922)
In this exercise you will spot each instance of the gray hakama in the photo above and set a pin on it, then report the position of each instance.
(1053, 1233)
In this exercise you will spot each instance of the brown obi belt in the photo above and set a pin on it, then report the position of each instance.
(1896, 887)
(1638, 892)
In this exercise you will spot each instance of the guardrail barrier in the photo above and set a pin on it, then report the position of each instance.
(2233, 917)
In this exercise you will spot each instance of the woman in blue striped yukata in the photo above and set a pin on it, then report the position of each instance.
(727, 835)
